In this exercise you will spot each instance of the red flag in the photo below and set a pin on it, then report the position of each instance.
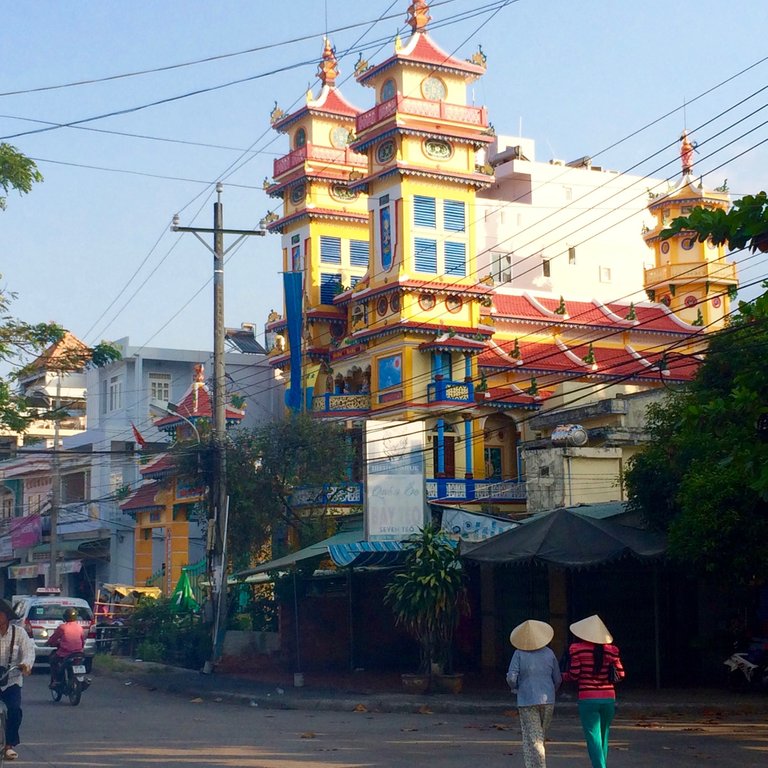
(137, 436)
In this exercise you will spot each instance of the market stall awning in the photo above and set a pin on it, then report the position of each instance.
(367, 553)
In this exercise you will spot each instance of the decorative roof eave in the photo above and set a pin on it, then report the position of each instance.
(318, 353)
(143, 499)
(422, 286)
(279, 361)
(316, 213)
(277, 325)
(160, 466)
(474, 138)
(408, 326)
(325, 316)
(476, 180)
(457, 343)
(329, 103)
(421, 52)
(300, 175)
(669, 198)
(512, 397)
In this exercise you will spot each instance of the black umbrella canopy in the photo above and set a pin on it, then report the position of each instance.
(568, 538)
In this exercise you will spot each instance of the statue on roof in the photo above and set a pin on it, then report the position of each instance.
(418, 15)
(199, 373)
(686, 153)
(328, 69)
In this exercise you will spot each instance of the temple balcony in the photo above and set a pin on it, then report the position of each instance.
(436, 110)
(446, 391)
(346, 404)
(719, 271)
(456, 489)
(323, 154)
(328, 495)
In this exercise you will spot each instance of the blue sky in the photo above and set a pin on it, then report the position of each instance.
(90, 247)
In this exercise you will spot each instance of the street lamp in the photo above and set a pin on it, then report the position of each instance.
(217, 547)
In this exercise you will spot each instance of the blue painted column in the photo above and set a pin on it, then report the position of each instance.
(440, 468)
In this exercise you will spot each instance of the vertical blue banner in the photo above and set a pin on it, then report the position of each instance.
(292, 285)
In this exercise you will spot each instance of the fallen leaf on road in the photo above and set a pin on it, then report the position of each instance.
(409, 730)
(360, 708)
(308, 735)
(424, 710)
(198, 700)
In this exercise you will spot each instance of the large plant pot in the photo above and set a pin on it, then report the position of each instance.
(449, 683)
(418, 683)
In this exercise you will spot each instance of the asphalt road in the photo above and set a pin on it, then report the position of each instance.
(130, 726)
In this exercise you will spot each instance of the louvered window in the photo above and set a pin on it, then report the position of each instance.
(455, 259)
(424, 211)
(330, 250)
(329, 287)
(453, 215)
(354, 280)
(425, 256)
(358, 253)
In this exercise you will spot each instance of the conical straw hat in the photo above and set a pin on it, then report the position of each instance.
(592, 630)
(531, 635)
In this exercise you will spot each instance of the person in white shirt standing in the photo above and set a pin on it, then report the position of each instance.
(16, 650)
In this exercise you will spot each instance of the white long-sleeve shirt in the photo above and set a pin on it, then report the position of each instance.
(23, 652)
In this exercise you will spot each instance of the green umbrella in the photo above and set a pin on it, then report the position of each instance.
(183, 599)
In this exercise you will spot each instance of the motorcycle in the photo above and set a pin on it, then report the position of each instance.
(748, 669)
(71, 679)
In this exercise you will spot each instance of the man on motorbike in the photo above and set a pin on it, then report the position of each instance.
(67, 638)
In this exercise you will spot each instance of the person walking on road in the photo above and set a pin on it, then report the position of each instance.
(16, 650)
(595, 666)
(535, 675)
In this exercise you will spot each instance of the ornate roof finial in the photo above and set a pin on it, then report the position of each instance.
(418, 15)
(686, 153)
(328, 68)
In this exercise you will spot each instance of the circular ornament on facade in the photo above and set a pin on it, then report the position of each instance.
(427, 301)
(385, 151)
(388, 90)
(298, 193)
(453, 303)
(665, 300)
(437, 149)
(433, 88)
(716, 301)
(339, 137)
(394, 302)
(300, 139)
(687, 243)
(342, 193)
(381, 306)
(338, 331)
(665, 247)
(690, 301)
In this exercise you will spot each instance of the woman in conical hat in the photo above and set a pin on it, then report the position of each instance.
(535, 675)
(595, 666)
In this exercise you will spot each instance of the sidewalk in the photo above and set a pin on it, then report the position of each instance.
(381, 693)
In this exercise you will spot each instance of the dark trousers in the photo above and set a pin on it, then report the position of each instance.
(11, 697)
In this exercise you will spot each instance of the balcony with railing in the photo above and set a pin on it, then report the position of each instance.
(463, 490)
(330, 403)
(437, 110)
(719, 271)
(446, 391)
(339, 156)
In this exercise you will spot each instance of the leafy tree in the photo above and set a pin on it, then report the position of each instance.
(703, 477)
(16, 172)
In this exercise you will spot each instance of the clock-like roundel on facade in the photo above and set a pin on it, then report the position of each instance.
(385, 151)
(339, 137)
(342, 193)
(437, 149)
(433, 88)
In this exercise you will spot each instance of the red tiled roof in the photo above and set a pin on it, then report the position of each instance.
(500, 397)
(457, 342)
(329, 102)
(197, 404)
(142, 498)
(424, 52)
(543, 358)
(160, 466)
(649, 317)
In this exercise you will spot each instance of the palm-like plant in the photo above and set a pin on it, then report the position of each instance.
(429, 596)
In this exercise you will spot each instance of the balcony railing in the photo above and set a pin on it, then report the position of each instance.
(331, 495)
(438, 110)
(721, 271)
(298, 156)
(329, 403)
(444, 391)
(457, 489)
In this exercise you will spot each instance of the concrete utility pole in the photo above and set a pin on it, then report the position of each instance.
(55, 492)
(217, 522)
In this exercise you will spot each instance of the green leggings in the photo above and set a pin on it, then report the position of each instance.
(596, 716)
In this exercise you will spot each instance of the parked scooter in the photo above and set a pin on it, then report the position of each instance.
(748, 668)
(71, 679)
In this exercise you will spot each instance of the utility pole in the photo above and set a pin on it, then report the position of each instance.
(217, 521)
(55, 491)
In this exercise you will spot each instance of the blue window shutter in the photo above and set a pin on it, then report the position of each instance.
(330, 250)
(354, 280)
(329, 286)
(456, 259)
(425, 255)
(454, 218)
(424, 211)
(358, 253)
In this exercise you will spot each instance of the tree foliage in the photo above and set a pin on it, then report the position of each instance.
(704, 475)
(17, 172)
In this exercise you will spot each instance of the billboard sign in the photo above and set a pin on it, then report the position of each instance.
(394, 490)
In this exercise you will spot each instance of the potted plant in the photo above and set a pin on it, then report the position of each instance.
(428, 597)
